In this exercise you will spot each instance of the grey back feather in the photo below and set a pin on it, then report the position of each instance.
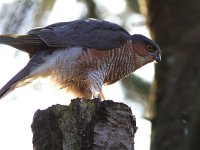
(96, 34)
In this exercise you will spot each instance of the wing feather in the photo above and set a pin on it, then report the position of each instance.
(26, 43)
(95, 34)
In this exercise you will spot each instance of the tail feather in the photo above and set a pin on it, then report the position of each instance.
(26, 43)
(11, 85)
(26, 75)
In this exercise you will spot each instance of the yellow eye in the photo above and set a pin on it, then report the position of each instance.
(150, 48)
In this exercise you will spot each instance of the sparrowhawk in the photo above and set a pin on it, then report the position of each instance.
(80, 56)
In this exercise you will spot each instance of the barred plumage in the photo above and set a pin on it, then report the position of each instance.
(81, 56)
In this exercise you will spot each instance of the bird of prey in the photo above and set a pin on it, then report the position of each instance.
(80, 56)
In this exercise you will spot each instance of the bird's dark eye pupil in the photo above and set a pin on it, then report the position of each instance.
(150, 47)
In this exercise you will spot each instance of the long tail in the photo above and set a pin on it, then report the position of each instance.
(27, 43)
(26, 75)
(11, 85)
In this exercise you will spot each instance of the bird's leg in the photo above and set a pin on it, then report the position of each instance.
(102, 95)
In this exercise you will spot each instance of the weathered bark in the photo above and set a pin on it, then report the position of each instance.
(175, 26)
(193, 139)
(84, 124)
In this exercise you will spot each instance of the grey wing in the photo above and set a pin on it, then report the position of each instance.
(96, 34)
(24, 76)
(26, 43)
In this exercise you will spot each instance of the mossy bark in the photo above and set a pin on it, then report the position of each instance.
(84, 124)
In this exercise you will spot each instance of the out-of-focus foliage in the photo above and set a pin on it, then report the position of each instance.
(22, 15)
(96, 9)
(91, 9)
(136, 87)
(133, 5)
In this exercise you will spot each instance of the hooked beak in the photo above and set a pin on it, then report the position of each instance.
(158, 58)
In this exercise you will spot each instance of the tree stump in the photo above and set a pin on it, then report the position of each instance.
(84, 125)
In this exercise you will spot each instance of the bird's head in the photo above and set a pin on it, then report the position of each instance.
(145, 49)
